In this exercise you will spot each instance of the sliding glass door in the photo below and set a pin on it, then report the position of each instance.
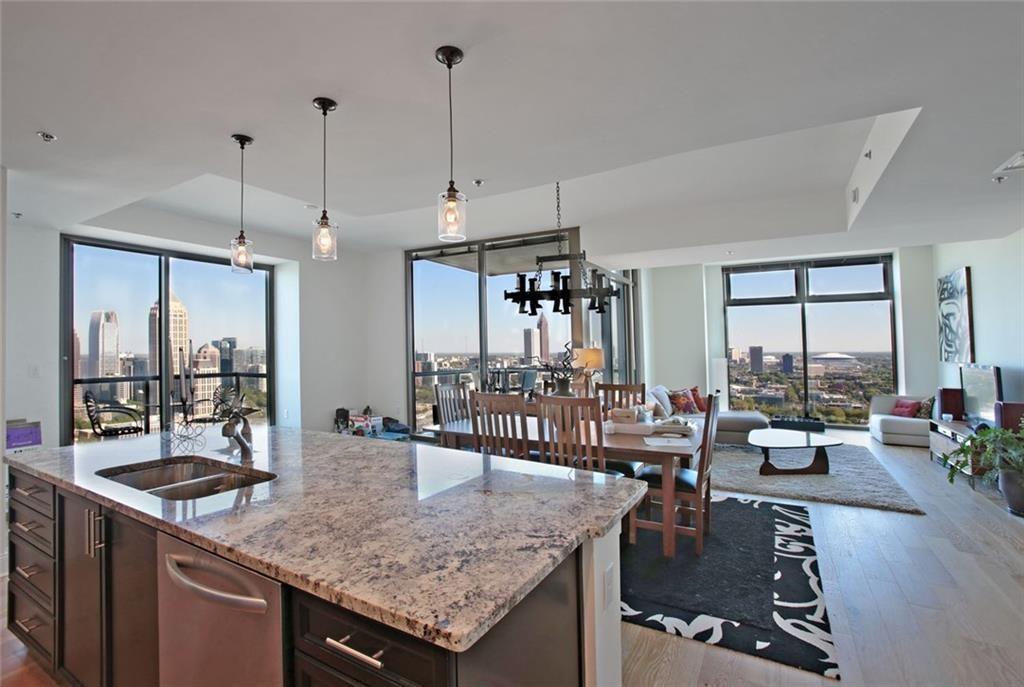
(460, 328)
(132, 316)
(810, 338)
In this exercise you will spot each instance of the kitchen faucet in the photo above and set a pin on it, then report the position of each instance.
(237, 428)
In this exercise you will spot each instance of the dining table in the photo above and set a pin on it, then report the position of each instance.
(617, 446)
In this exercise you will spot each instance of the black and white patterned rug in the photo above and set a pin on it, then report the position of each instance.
(756, 588)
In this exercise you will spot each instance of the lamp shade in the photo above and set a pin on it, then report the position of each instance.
(589, 358)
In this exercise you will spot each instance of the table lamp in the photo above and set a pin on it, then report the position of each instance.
(589, 360)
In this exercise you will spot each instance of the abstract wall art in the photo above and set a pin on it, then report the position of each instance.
(956, 338)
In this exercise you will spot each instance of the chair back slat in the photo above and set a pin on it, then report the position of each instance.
(707, 443)
(499, 424)
(452, 402)
(92, 411)
(572, 433)
(620, 396)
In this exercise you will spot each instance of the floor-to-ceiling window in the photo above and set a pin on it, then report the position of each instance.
(810, 338)
(461, 327)
(132, 315)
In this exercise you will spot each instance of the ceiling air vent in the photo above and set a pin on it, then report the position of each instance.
(1014, 164)
(855, 195)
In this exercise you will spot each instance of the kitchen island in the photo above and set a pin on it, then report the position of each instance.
(443, 546)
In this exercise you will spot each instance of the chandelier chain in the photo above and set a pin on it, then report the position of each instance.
(325, 159)
(241, 204)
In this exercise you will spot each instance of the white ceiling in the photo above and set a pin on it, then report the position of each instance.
(673, 125)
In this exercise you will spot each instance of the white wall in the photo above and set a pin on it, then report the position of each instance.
(3, 377)
(997, 275)
(917, 351)
(384, 325)
(32, 374)
(674, 318)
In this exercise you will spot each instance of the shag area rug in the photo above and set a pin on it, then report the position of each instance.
(855, 478)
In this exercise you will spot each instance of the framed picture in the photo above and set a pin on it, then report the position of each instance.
(956, 336)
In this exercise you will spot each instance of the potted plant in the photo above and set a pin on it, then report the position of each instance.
(1001, 451)
(562, 372)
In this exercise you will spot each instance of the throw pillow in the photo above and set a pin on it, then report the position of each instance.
(659, 394)
(682, 402)
(702, 405)
(905, 408)
(926, 408)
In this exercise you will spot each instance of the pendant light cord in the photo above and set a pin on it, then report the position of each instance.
(451, 131)
(325, 159)
(241, 204)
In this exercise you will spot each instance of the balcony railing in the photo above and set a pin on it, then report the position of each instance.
(142, 393)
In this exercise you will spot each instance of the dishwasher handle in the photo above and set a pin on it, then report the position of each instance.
(247, 604)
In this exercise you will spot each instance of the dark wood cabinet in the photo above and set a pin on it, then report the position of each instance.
(80, 564)
(107, 619)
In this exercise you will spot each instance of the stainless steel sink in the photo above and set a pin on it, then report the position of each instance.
(185, 477)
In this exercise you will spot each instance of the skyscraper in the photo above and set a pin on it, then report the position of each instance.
(178, 334)
(206, 360)
(227, 347)
(531, 344)
(545, 338)
(787, 363)
(756, 359)
(103, 344)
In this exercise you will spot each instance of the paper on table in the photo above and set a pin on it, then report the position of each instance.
(666, 441)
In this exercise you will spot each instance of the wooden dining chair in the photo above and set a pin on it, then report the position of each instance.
(499, 424)
(571, 432)
(620, 396)
(693, 487)
(452, 406)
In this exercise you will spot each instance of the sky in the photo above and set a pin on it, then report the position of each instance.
(445, 313)
(841, 327)
(220, 303)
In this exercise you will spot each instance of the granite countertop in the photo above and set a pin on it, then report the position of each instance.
(435, 542)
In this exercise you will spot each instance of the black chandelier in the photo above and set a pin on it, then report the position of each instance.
(528, 293)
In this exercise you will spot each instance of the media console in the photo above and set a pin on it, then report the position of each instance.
(944, 438)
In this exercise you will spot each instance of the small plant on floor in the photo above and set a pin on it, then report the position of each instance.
(1001, 452)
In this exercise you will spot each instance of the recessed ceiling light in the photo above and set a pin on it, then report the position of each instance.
(46, 136)
(478, 182)
(1014, 164)
(16, 215)
(730, 252)
(311, 206)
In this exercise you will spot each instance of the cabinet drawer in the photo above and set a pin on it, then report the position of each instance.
(30, 621)
(311, 673)
(33, 570)
(940, 444)
(31, 525)
(32, 491)
(404, 659)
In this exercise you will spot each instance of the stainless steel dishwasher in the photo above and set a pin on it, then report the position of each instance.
(220, 624)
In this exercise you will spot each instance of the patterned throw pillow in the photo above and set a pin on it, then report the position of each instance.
(702, 405)
(682, 402)
(926, 408)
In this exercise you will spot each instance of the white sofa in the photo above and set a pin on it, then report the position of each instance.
(733, 425)
(893, 429)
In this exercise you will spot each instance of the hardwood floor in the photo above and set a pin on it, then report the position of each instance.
(914, 600)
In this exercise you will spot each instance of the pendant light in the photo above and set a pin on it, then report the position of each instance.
(325, 235)
(451, 205)
(241, 247)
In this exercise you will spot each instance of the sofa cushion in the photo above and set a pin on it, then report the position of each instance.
(702, 406)
(893, 424)
(659, 395)
(927, 405)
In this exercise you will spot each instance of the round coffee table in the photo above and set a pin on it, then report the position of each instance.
(767, 439)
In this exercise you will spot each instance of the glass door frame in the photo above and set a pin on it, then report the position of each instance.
(164, 378)
(803, 297)
(628, 281)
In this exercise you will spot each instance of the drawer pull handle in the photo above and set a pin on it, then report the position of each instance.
(28, 571)
(344, 648)
(24, 626)
(27, 493)
(27, 528)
